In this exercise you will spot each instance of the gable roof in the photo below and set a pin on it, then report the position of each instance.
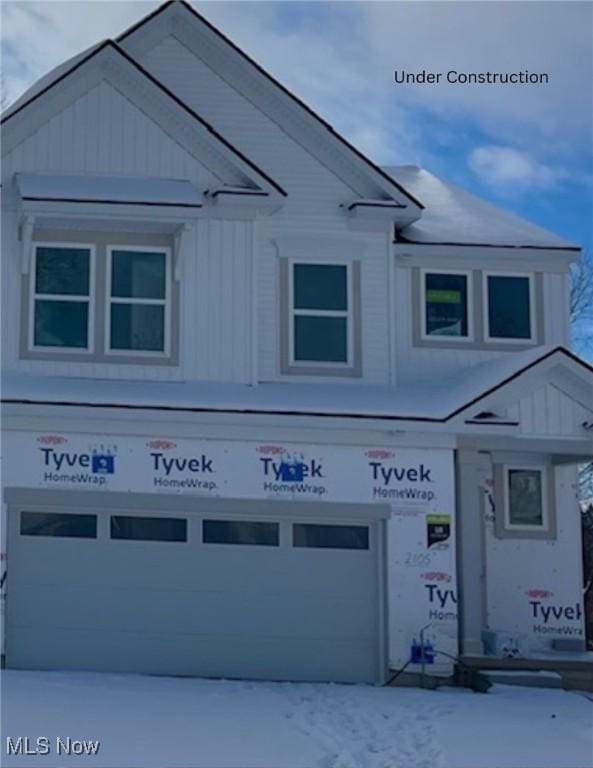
(455, 217)
(219, 148)
(299, 112)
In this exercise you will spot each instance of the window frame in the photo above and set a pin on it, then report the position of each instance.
(32, 510)
(272, 546)
(545, 481)
(151, 515)
(90, 299)
(488, 339)
(329, 525)
(109, 300)
(348, 313)
(424, 336)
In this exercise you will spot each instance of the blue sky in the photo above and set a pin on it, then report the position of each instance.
(526, 147)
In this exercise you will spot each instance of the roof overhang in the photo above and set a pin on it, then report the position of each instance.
(448, 408)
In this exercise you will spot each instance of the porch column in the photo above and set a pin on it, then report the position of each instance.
(471, 562)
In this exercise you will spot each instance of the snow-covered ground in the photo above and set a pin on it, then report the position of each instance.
(157, 722)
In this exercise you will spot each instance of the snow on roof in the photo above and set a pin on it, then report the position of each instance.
(119, 189)
(49, 78)
(434, 400)
(455, 216)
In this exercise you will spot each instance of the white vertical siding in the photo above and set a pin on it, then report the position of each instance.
(103, 132)
(557, 311)
(549, 412)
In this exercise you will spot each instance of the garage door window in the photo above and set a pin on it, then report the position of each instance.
(239, 532)
(58, 524)
(148, 528)
(330, 536)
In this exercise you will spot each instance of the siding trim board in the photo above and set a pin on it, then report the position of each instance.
(402, 240)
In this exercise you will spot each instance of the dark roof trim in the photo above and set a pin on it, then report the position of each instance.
(164, 89)
(197, 409)
(197, 117)
(111, 202)
(246, 193)
(483, 422)
(64, 75)
(318, 414)
(363, 204)
(278, 84)
(520, 372)
(401, 240)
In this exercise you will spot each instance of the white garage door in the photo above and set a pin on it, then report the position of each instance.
(222, 589)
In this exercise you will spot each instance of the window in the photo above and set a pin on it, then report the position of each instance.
(509, 307)
(111, 299)
(446, 311)
(148, 528)
(320, 302)
(330, 536)
(239, 532)
(58, 524)
(138, 292)
(525, 497)
(60, 307)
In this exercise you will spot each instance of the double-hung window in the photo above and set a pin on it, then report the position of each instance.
(102, 301)
(320, 309)
(61, 311)
(446, 302)
(138, 298)
(508, 307)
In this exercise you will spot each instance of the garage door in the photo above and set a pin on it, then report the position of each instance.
(266, 590)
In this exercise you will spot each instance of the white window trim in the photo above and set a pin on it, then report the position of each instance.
(470, 307)
(532, 314)
(543, 469)
(166, 302)
(348, 314)
(89, 299)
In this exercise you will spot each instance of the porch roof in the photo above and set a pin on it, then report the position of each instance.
(435, 401)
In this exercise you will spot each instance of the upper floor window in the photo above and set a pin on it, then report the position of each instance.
(321, 324)
(320, 327)
(446, 303)
(60, 309)
(501, 309)
(138, 306)
(101, 301)
(508, 306)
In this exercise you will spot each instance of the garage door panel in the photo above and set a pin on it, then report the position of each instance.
(181, 654)
(237, 612)
(191, 608)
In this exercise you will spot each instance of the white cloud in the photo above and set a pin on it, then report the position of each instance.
(550, 37)
(502, 167)
(37, 36)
